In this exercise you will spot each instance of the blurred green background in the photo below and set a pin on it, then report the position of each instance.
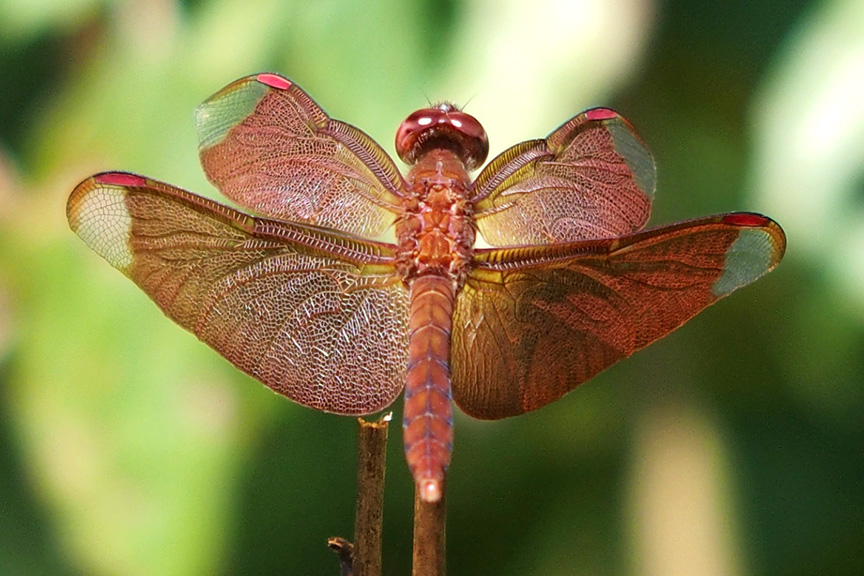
(733, 447)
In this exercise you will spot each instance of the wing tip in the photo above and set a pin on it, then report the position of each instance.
(759, 247)
(97, 213)
(753, 220)
(629, 146)
(228, 107)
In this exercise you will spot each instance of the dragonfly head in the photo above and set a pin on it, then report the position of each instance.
(442, 126)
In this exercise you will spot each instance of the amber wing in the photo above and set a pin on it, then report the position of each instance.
(269, 147)
(315, 315)
(533, 322)
(591, 178)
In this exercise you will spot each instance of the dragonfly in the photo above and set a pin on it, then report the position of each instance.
(301, 293)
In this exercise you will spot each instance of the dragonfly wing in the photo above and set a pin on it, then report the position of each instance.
(269, 147)
(591, 178)
(534, 322)
(316, 315)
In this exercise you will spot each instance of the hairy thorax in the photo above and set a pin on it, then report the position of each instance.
(436, 232)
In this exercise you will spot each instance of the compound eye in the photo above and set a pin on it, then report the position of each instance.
(406, 135)
(443, 126)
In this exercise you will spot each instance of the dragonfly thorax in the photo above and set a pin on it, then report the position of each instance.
(436, 232)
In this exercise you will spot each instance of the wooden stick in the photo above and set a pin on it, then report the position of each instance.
(368, 521)
(429, 535)
(345, 551)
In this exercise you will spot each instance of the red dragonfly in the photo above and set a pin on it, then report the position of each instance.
(300, 299)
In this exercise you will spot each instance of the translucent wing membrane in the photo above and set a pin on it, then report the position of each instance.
(269, 147)
(315, 315)
(533, 322)
(591, 178)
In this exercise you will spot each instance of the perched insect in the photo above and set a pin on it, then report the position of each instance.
(300, 300)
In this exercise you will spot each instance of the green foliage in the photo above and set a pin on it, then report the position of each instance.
(127, 447)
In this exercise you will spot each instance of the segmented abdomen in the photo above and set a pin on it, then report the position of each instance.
(428, 418)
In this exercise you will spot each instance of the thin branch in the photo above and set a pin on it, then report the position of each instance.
(371, 465)
(345, 551)
(429, 535)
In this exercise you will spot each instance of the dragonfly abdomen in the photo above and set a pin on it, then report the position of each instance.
(428, 417)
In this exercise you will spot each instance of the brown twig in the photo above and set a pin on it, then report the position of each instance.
(345, 551)
(371, 464)
(429, 535)
(363, 558)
